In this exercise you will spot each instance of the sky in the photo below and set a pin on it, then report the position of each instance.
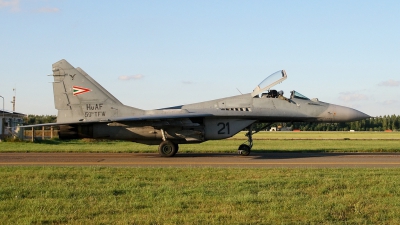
(155, 54)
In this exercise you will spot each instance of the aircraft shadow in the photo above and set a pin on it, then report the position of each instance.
(280, 155)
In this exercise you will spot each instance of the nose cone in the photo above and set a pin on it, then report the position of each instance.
(345, 114)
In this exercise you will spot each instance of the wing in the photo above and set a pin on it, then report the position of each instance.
(129, 119)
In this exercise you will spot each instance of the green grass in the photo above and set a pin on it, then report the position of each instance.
(263, 142)
(323, 135)
(103, 195)
(98, 195)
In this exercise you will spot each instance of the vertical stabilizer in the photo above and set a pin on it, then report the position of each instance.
(78, 97)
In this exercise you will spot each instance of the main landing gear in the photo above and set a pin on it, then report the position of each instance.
(167, 148)
(245, 148)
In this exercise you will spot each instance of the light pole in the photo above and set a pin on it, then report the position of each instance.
(2, 119)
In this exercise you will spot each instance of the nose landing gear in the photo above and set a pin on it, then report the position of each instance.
(245, 148)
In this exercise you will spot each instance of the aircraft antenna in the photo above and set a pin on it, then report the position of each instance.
(239, 91)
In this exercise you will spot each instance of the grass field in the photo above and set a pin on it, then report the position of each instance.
(323, 135)
(263, 142)
(98, 195)
(107, 195)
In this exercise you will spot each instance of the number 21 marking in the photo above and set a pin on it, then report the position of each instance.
(224, 128)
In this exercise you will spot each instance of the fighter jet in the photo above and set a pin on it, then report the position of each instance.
(87, 110)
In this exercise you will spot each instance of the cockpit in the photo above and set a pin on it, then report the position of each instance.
(263, 90)
(295, 94)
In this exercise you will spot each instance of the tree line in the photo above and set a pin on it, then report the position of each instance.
(39, 119)
(380, 123)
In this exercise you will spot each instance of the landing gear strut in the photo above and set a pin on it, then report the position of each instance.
(245, 148)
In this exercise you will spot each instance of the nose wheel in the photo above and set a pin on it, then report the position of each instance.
(244, 150)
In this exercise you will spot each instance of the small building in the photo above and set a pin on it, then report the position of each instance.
(9, 122)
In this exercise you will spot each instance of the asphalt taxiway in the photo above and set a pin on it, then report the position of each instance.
(282, 160)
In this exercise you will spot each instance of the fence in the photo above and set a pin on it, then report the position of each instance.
(38, 134)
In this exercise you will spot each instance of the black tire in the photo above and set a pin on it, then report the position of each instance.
(167, 149)
(244, 150)
(177, 147)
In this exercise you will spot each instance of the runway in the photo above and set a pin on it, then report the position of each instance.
(268, 160)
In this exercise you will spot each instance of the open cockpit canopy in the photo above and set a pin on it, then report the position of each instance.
(269, 82)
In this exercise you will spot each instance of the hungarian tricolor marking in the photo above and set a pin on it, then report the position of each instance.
(79, 90)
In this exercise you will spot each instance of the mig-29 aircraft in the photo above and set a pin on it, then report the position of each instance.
(87, 110)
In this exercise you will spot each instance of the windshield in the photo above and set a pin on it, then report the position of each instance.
(296, 94)
(269, 82)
